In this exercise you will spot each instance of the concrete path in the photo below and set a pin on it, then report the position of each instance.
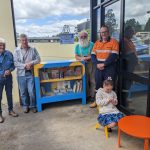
(60, 126)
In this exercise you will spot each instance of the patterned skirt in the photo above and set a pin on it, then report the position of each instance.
(109, 118)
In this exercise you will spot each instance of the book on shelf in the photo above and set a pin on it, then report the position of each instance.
(41, 75)
(59, 88)
(77, 87)
(49, 73)
(43, 90)
(78, 71)
(69, 72)
(55, 73)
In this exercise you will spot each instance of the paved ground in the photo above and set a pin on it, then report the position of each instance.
(60, 126)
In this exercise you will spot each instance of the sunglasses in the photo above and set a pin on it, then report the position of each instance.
(83, 37)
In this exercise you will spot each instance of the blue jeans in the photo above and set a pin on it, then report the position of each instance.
(7, 82)
(26, 86)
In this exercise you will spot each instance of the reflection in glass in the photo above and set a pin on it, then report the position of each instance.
(137, 101)
(112, 19)
(98, 23)
(98, 2)
(136, 54)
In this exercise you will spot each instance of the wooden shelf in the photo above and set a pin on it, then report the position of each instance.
(61, 79)
(45, 86)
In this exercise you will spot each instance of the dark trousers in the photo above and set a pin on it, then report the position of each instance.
(7, 82)
(101, 75)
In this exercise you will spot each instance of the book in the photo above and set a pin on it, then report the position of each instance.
(60, 85)
(67, 84)
(77, 87)
(69, 72)
(80, 86)
(43, 90)
(55, 73)
(74, 87)
(49, 73)
(78, 71)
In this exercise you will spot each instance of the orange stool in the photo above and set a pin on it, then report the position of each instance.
(136, 126)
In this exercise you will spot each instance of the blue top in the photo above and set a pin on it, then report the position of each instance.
(6, 62)
(84, 51)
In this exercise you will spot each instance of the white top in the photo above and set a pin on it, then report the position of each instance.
(102, 100)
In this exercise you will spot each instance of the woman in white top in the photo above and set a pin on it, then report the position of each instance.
(106, 99)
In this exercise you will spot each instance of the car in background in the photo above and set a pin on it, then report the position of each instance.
(141, 48)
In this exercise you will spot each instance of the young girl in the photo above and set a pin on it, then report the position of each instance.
(106, 99)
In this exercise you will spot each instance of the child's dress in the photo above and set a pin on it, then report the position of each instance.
(108, 112)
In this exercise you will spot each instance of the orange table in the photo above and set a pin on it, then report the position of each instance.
(137, 126)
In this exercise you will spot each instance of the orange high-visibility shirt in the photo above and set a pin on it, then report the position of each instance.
(102, 50)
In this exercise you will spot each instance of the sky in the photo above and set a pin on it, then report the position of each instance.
(47, 17)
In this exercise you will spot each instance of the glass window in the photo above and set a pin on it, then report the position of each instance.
(136, 54)
(98, 23)
(98, 2)
(137, 34)
(112, 19)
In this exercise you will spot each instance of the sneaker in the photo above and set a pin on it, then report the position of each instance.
(34, 110)
(13, 114)
(1, 118)
(26, 110)
(93, 105)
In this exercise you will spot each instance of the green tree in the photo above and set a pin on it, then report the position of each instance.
(135, 24)
(147, 26)
(89, 33)
(110, 20)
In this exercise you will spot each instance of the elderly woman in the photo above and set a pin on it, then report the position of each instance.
(83, 52)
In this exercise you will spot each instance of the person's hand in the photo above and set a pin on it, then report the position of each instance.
(113, 101)
(87, 58)
(100, 66)
(84, 59)
(7, 72)
(28, 66)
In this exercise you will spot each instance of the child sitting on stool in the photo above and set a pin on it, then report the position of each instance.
(106, 99)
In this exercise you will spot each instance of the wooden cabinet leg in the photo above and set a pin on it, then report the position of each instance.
(39, 107)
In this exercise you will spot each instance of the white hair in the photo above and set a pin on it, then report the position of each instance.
(83, 32)
(2, 40)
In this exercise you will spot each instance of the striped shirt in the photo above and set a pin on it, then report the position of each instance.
(104, 50)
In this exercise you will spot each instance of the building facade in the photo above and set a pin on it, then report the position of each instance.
(129, 23)
(83, 26)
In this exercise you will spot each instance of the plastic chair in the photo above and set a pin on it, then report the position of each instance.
(97, 125)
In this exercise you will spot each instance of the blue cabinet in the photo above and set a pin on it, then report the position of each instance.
(59, 81)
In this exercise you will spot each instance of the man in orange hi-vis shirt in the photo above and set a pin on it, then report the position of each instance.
(104, 56)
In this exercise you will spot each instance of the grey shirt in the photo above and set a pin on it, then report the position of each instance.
(23, 56)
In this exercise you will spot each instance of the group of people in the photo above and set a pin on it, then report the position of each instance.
(100, 68)
(24, 58)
